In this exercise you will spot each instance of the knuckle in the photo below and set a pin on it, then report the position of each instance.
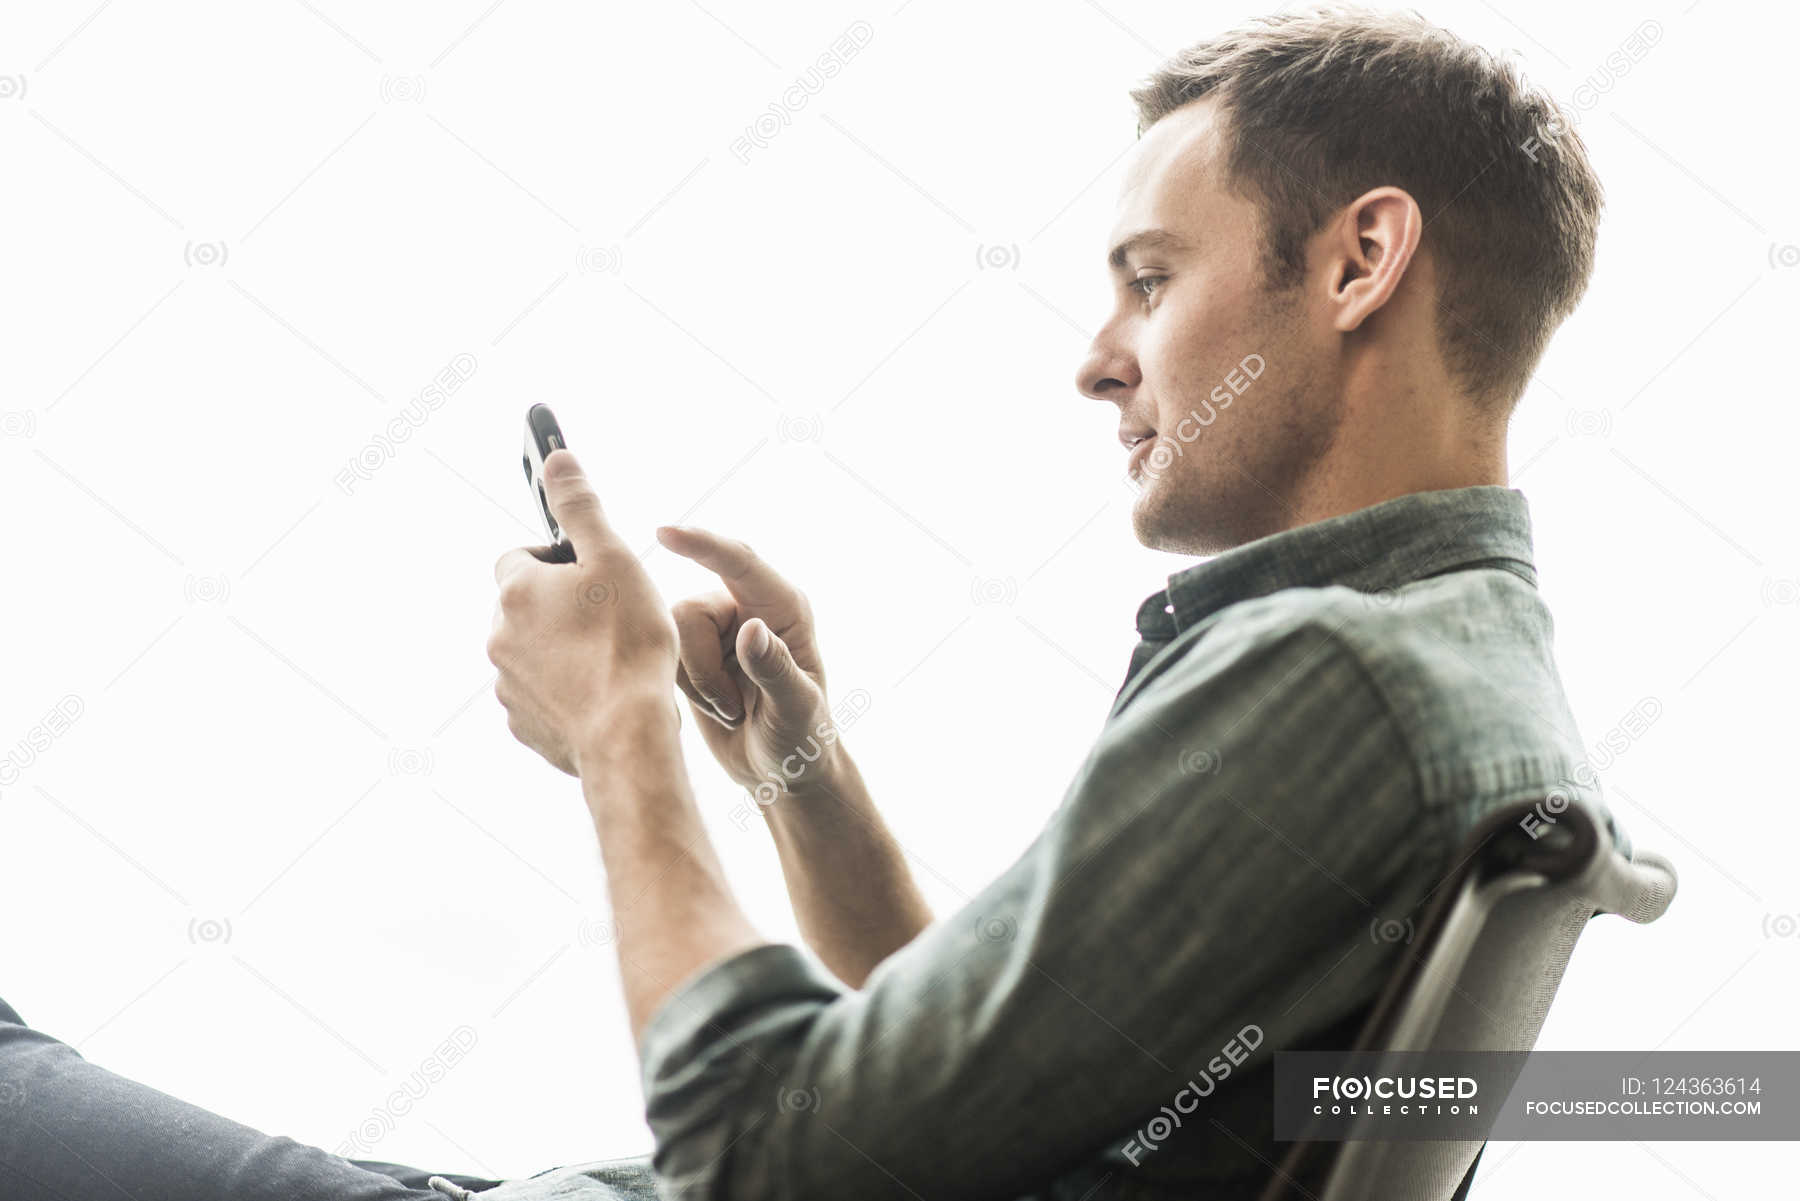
(609, 558)
(579, 500)
(514, 592)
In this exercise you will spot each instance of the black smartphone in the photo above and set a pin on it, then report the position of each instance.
(543, 435)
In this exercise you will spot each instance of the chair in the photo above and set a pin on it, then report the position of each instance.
(1483, 965)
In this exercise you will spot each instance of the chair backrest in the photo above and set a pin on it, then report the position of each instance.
(1484, 962)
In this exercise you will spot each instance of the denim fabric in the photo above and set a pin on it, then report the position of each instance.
(71, 1130)
(1310, 726)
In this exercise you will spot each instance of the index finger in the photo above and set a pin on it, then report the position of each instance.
(747, 577)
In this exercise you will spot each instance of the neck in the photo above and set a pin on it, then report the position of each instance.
(1419, 437)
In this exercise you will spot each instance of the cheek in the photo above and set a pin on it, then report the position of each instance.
(1182, 353)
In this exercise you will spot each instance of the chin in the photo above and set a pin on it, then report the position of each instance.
(1149, 519)
(1161, 522)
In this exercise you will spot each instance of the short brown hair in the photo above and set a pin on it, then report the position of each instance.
(1321, 106)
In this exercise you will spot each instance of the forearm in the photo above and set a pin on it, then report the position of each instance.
(853, 896)
(673, 913)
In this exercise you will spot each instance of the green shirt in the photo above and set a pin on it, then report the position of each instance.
(1309, 728)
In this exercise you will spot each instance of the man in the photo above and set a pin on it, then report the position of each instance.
(1334, 266)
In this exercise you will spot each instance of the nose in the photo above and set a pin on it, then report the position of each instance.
(1110, 370)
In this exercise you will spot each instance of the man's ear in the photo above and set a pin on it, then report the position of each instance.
(1370, 245)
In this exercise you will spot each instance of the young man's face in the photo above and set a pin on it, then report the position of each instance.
(1233, 380)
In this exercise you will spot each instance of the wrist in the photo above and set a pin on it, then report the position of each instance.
(628, 730)
(825, 775)
(832, 776)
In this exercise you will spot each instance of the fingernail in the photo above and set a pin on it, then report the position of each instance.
(761, 640)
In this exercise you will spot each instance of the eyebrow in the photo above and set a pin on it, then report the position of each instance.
(1149, 239)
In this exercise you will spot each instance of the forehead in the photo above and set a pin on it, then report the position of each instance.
(1174, 178)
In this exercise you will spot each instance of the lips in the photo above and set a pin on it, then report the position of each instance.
(1139, 453)
(1130, 437)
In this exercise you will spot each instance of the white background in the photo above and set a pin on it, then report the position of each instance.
(288, 846)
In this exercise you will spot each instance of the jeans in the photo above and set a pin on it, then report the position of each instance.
(71, 1131)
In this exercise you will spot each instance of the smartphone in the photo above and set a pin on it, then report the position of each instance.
(543, 435)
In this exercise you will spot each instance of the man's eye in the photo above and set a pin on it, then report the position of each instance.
(1144, 284)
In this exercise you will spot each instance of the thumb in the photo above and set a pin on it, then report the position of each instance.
(766, 659)
(573, 503)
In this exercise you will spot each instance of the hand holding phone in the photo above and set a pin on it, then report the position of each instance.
(543, 435)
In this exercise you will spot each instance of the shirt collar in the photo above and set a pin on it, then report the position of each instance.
(1382, 546)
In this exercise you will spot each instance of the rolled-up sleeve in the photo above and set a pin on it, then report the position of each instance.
(1225, 846)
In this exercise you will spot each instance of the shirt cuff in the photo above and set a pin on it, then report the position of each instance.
(709, 1007)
